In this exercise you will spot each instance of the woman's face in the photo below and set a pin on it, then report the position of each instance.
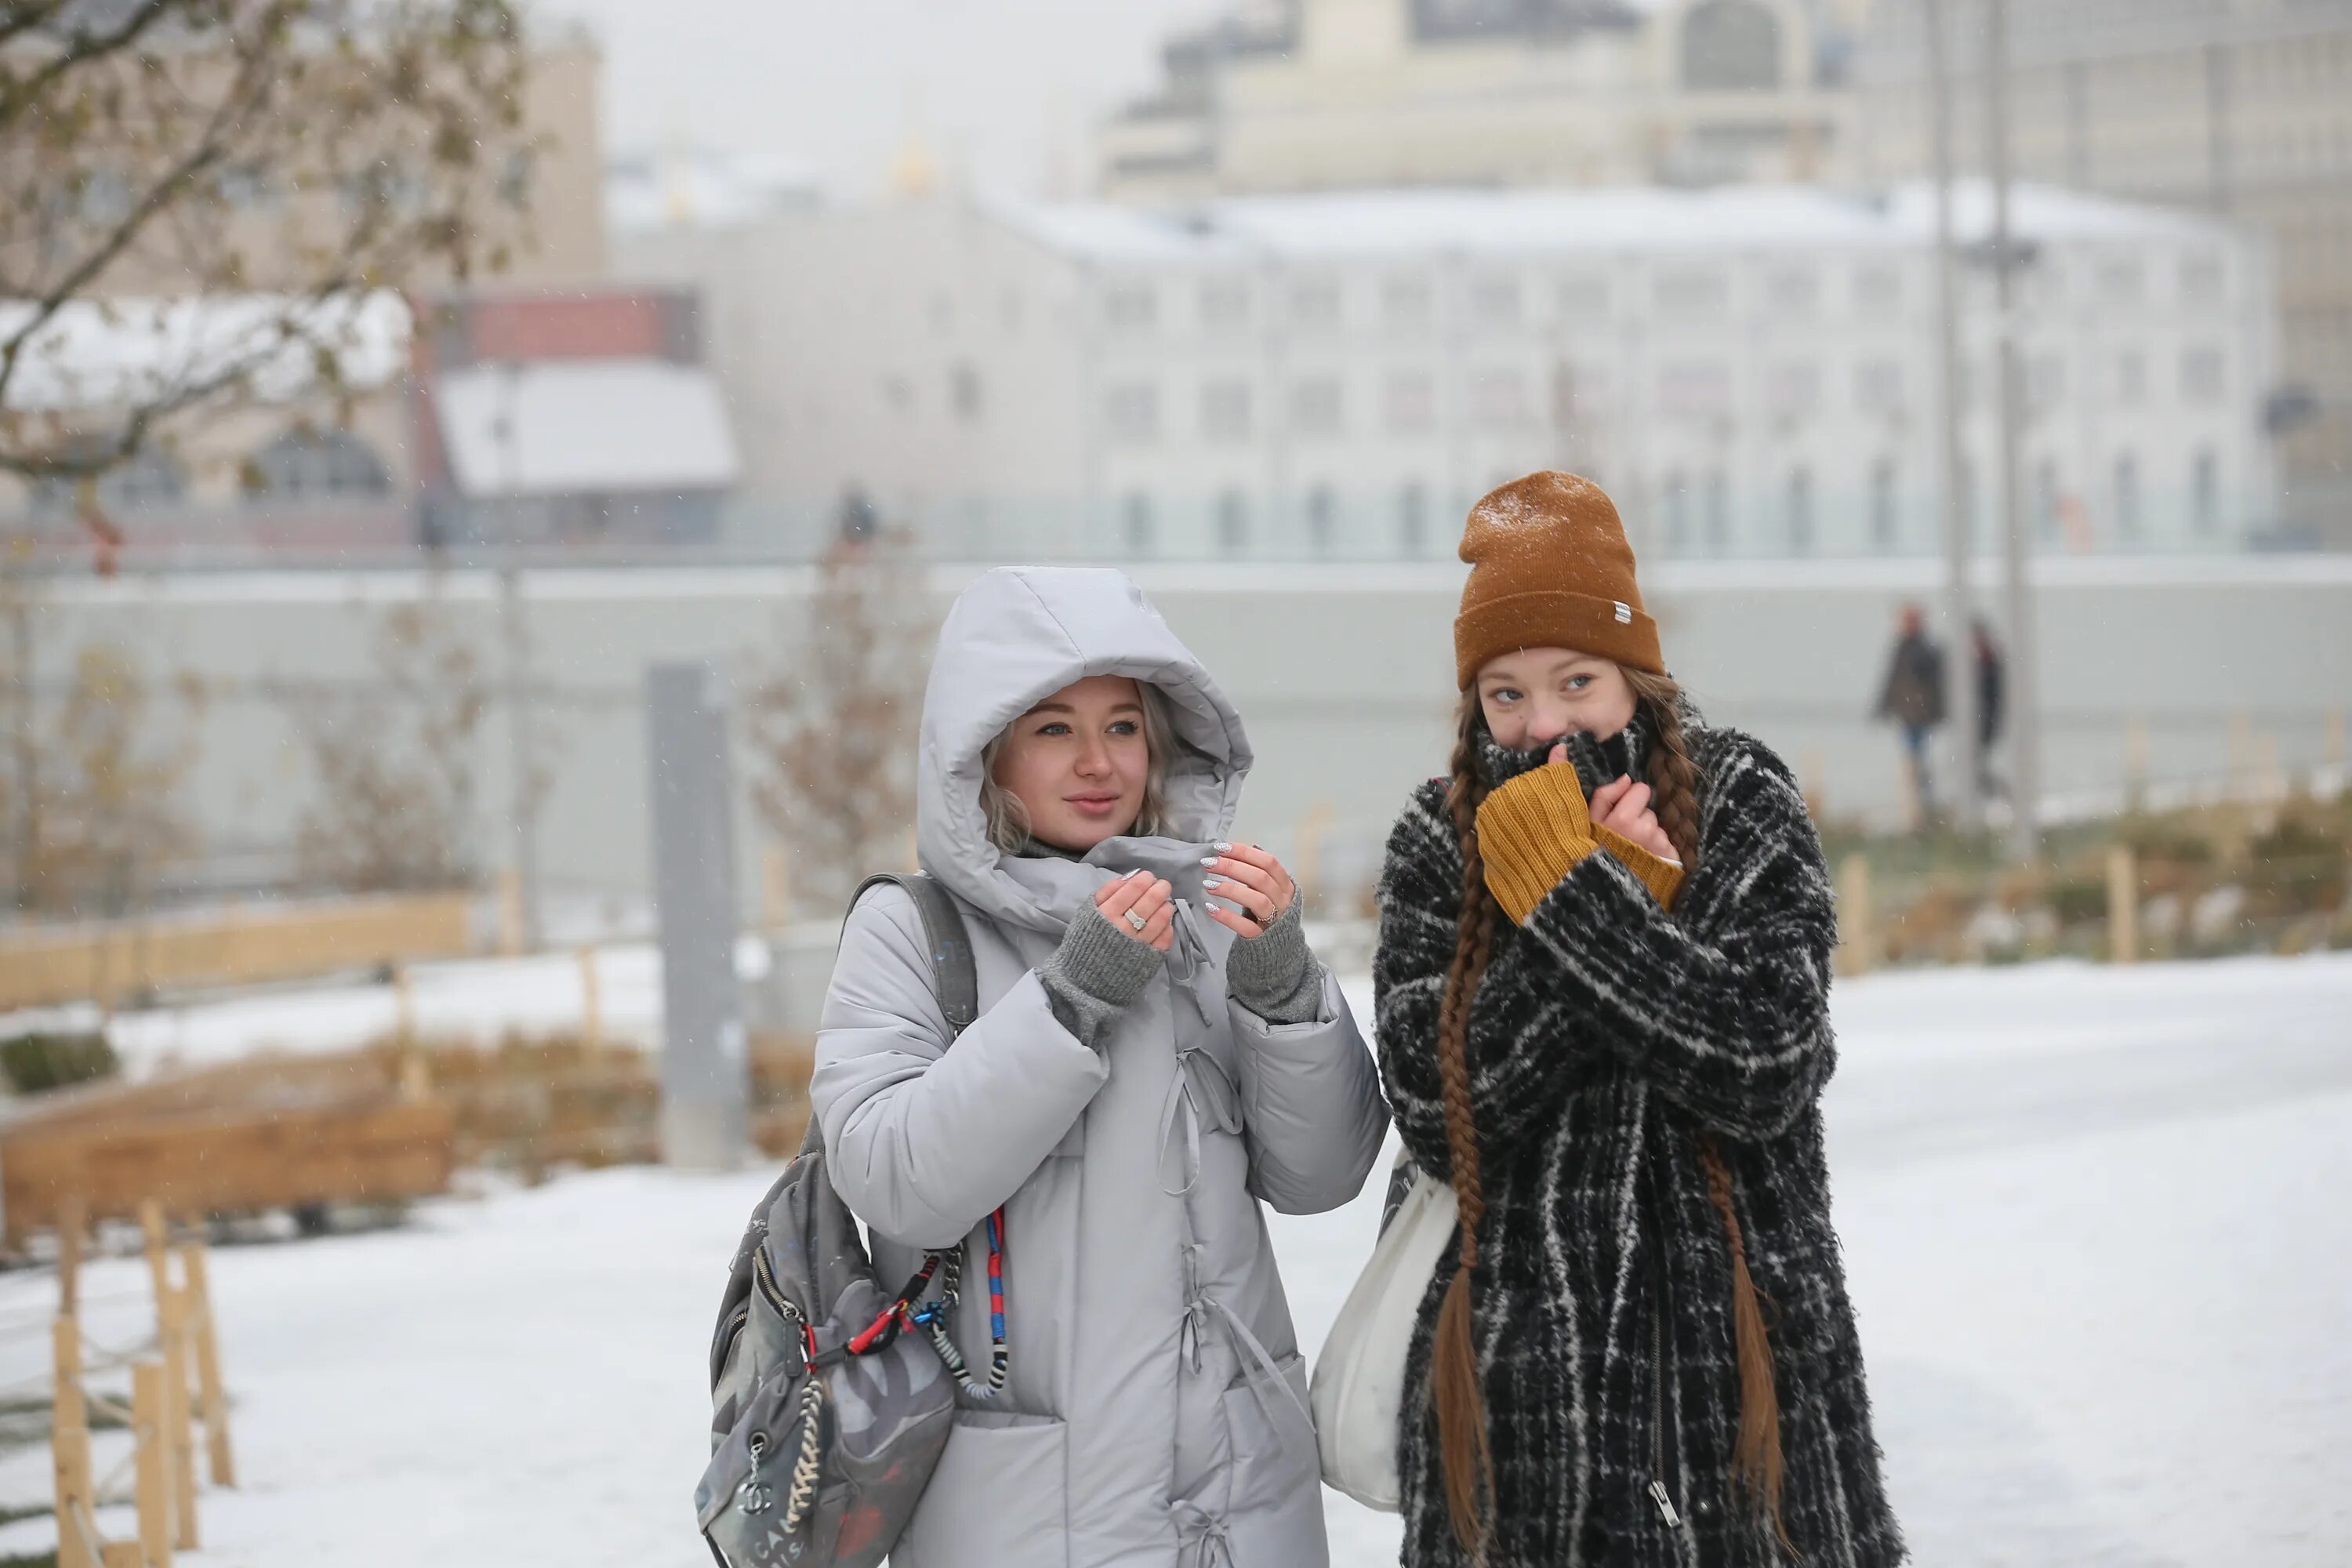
(1540, 694)
(1077, 761)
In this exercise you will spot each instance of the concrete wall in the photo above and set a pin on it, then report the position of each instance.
(1344, 675)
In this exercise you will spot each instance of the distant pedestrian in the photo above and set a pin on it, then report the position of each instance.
(1913, 698)
(1993, 675)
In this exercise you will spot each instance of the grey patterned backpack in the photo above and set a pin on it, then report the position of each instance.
(827, 1418)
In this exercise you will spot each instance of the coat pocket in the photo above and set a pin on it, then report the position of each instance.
(1000, 1498)
(1274, 1519)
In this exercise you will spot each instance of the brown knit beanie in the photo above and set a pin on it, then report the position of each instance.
(1550, 567)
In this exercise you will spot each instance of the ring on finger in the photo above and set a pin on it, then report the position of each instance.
(1135, 920)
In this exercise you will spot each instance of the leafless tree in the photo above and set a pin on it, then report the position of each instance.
(394, 760)
(202, 200)
(832, 723)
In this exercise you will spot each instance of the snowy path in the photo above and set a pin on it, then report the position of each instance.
(2094, 1221)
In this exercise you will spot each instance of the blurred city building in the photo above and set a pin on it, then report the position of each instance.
(2238, 108)
(1750, 369)
(1336, 94)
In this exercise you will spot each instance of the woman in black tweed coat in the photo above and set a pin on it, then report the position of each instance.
(1602, 1014)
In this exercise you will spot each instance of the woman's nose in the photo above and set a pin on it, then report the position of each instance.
(1093, 760)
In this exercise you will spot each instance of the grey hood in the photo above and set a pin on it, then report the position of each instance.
(1014, 638)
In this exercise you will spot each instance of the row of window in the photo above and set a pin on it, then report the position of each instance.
(1696, 510)
(1507, 399)
(1676, 293)
(298, 465)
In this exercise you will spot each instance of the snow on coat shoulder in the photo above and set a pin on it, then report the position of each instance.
(1156, 1411)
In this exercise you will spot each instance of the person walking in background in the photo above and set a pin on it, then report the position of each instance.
(1991, 673)
(1603, 999)
(1913, 698)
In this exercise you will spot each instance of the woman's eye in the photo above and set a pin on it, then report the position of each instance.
(1055, 727)
(1504, 694)
(1126, 727)
(1579, 682)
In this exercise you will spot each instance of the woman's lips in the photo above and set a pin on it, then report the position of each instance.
(1093, 805)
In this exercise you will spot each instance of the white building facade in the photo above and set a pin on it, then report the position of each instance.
(1749, 370)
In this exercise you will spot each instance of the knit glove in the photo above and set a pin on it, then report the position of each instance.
(1535, 829)
(1096, 975)
(1273, 974)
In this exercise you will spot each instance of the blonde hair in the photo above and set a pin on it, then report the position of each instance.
(1009, 826)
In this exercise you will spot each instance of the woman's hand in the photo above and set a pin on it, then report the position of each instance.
(1625, 806)
(1138, 906)
(1254, 879)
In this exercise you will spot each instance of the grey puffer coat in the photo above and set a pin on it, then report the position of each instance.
(1156, 1412)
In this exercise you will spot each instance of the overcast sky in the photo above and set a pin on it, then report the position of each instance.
(1006, 87)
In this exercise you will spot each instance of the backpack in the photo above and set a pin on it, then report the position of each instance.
(827, 1418)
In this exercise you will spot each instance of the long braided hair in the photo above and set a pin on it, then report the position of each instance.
(1463, 1443)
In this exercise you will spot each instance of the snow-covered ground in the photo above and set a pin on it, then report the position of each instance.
(2095, 1219)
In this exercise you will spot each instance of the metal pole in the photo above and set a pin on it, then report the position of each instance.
(2025, 728)
(1958, 673)
(524, 799)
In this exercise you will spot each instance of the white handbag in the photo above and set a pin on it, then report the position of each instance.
(1358, 1390)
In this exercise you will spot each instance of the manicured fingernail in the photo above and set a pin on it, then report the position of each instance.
(1220, 848)
(1212, 881)
(1139, 871)
(1209, 860)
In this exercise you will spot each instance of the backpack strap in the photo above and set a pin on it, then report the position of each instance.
(954, 974)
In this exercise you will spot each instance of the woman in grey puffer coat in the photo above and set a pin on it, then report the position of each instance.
(1147, 1068)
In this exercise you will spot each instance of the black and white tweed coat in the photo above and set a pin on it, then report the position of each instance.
(1605, 1036)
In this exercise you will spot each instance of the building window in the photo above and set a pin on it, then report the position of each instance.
(1878, 387)
(149, 480)
(1315, 302)
(1131, 413)
(1495, 301)
(1132, 308)
(2202, 376)
(1233, 522)
(1322, 519)
(1225, 411)
(1792, 291)
(1792, 390)
(1718, 512)
(2201, 280)
(1411, 402)
(1413, 519)
(1498, 400)
(1225, 304)
(2131, 378)
(1686, 295)
(965, 393)
(1885, 515)
(2127, 495)
(1316, 407)
(1878, 290)
(2122, 281)
(1136, 514)
(1800, 511)
(1676, 490)
(2205, 491)
(1695, 390)
(1730, 45)
(1584, 297)
(315, 465)
(1406, 302)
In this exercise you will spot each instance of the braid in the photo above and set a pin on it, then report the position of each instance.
(1756, 1452)
(1674, 777)
(1461, 1432)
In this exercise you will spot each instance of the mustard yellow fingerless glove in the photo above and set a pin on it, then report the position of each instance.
(1535, 829)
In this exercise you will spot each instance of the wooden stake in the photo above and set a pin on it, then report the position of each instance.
(124, 1554)
(71, 1221)
(1311, 829)
(509, 912)
(159, 1268)
(1816, 791)
(1857, 921)
(2123, 904)
(69, 1442)
(591, 1004)
(775, 886)
(179, 1430)
(213, 1396)
(153, 1463)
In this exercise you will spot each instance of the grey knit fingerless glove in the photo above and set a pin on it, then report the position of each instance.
(1095, 975)
(1273, 974)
